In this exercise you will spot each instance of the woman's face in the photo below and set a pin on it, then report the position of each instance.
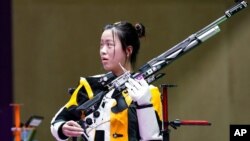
(111, 52)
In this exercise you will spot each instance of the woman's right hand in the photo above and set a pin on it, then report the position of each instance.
(139, 91)
(72, 129)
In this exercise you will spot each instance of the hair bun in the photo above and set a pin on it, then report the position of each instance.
(140, 29)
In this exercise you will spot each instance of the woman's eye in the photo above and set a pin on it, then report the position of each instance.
(101, 45)
(110, 45)
(107, 44)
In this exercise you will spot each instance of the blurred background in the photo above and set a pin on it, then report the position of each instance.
(52, 43)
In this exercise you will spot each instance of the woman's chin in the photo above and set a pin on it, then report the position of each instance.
(106, 68)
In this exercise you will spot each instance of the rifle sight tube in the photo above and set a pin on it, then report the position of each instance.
(209, 33)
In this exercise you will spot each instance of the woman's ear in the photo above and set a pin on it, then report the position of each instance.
(129, 51)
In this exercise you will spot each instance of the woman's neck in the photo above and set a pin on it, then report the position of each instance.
(120, 71)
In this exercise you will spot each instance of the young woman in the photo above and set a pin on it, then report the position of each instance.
(133, 115)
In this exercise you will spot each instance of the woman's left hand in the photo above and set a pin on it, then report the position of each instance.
(139, 91)
(72, 129)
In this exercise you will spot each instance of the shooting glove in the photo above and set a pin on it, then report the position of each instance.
(139, 91)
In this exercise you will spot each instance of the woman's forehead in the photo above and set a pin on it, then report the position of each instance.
(109, 35)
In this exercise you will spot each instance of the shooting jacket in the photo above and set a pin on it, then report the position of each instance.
(124, 119)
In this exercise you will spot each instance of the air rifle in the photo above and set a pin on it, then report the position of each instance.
(150, 69)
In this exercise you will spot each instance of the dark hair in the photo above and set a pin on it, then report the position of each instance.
(129, 35)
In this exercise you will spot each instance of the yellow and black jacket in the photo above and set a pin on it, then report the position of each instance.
(127, 121)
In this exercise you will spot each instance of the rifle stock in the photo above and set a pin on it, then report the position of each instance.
(149, 70)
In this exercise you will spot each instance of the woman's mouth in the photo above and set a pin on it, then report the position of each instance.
(104, 60)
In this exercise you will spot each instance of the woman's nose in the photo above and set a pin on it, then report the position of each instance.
(103, 49)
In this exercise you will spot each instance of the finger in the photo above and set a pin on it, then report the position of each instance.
(74, 128)
(131, 93)
(143, 82)
(73, 123)
(76, 124)
(70, 133)
(134, 83)
(129, 89)
(70, 130)
(128, 85)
